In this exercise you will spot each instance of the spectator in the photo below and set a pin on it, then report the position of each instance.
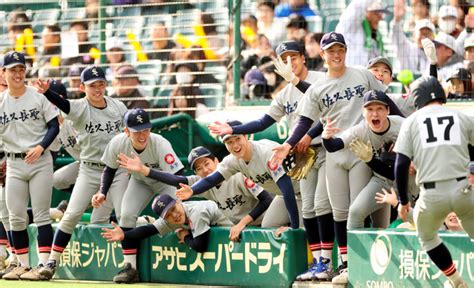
(410, 54)
(297, 28)
(469, 56)
(92, 10)
(420, 9)
(161, 43)
(268, 24)
(256, 86)
(275, 81)
(74, 81)
(448, 59)
(210, 29)
(248, 30)
(125, 85)
(48, 61)
(300, 7)
(459, 85)
(452, 223)
(448, 19)
(196, 54)
(82, 30)
(183, 97)
(115, 56)
(361, 20)
(313, 50)
(257, 55)
(19, 21)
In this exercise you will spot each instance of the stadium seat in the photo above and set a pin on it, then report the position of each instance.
(215, 90)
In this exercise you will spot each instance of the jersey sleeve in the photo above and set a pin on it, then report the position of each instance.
(249, 187)
(77, 111)
(228, 167)
(49, 110)
(193, 179)
(374, 84)
(163, 227)
(276, 107)
(275, 171)
(351, 133)
(404, 143)
(111, 151)
(169, 161)
(309, 106)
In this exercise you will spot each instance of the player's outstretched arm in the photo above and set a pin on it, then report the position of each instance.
(286, 187)
(206, 183)
(138, 233)
(106, 179)
(198, 243)
(402, 165)
(53, 97)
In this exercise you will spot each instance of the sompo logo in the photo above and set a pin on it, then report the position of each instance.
(380, 254)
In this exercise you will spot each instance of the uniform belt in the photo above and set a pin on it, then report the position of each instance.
(16, 155)
(315, 145)
(432, 185)
(93, 164)
(2, 154)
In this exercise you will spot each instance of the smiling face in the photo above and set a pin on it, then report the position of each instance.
(15, 77)
(297, 62)
(176, 214)
(205, 166)
(95, 92)
(139, 139)
(382, 73)
(239, 146)
(376, 117)
(335, 57)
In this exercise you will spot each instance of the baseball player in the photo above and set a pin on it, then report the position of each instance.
(28, 125)
(379, 130)
(192, 221)
(435, 138)
(97, 119)
(251, 158)
(153, 150)
(241, 200)
(316, 209)
(337, 96)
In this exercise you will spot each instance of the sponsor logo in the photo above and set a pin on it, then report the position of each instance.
(380, 254)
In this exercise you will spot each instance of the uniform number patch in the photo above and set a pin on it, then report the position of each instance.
(439, 130)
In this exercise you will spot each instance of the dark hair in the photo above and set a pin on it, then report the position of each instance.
(297, 21)
(19, 21)
(208, 24)
(53, 28)
(316, 36)
(266, 3)
(423, 2)
(191, 101)
(84, 24)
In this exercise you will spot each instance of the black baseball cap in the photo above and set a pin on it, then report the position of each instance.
(92, 74)
(57, 87)
(375, 96)
(162, 204)
(231, 123)
(380, 59)
(198, 153)
(288, 46)
(13, 58)
(461, 74)
(137, 120)
(332, 38)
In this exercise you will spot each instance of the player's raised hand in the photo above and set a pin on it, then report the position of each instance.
(403, 211)
(399, 10)
(33, 154)
(220, 128)
(279, 154)
(234, 233)
(284, 69)
(97, 200)
(363, 151)
(280, 230)
(132, 164)
(115, 234)
(430, 50)
(181, 233)
(41, 85)
(185, 192)
(304, 143)
(329, 131)
(386, 197)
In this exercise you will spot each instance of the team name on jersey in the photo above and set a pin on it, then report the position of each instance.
(22, 116)
(70, 141)
(231, 202)
(107, 127)
(152, 165)
(290, 108)
(261, 178)
(349, 93)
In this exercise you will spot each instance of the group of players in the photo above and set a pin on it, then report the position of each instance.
(363, 143)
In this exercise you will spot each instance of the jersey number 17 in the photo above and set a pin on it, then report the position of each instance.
(439, 130)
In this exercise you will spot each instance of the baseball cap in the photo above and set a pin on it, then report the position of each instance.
(424, 23)
(461, 74)
(13, 58)
(288, 46)
(375, 96)
(197, 153)
(57, 87)
(126, 71)
(446, 40)
(332, 38)
(378, 6)
(254, 77)
(92, 74)
(137, 120)
(113, 42)
(162, 203)
(227, 136)
(447, 11)
(469, 42)
(380, 59)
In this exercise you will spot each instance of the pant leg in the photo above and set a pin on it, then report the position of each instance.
(276, 214)
(87, 184)
(3, 209)
(359, 176)
(41, 189)
(135, 199)
(322, 205)
(337, 183)
(463, 206)
(308, 191)
(17, 194)
(66, 176)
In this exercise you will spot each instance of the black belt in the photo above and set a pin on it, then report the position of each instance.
(16, 155)
(2, 154)
(432, 185)
(100, 165)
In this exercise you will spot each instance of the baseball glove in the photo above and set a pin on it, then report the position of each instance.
(297, 165)
(363, 151)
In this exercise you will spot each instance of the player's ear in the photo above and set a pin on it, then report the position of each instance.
(127, 132)
(321, 53)
(82, 88)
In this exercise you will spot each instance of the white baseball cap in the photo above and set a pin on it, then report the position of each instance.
(424, 23)
(113, 42)
(446, 40)
(447, 11)
(469, 42)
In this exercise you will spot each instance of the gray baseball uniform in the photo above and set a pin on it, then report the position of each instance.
(158, 154)
(436, 138)
(340, 99)
(259, 171)
(201, 216)
(95, 128)
(364, 205)
(314, 196)
(235, 197)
